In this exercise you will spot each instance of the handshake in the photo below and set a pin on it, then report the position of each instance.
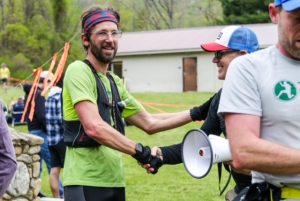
(148, 161)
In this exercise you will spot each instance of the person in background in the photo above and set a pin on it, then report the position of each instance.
(8, 163)
(95, 102)
(17, 109)
(260, 103)
(38, 124)
(57, 147)
(4, 75)
(232, 42)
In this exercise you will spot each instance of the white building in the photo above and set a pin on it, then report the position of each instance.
(173, 61)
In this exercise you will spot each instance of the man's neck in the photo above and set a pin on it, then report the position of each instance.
(99, 66)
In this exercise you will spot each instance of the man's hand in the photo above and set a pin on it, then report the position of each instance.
(156, 162)
(142, 153)
(199, 113)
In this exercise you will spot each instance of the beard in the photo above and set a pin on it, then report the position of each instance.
(289, 46)
(99, 55)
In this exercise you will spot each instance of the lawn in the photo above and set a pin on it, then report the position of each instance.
(172, 182)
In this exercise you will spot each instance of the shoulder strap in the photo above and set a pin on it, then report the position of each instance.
(102, 100)
(116, 113)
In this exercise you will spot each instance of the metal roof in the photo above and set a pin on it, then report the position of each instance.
(184, 40)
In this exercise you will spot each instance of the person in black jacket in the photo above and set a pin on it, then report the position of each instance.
(233, 41)
(37, 126)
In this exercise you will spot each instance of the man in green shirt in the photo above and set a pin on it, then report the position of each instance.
(94, 103)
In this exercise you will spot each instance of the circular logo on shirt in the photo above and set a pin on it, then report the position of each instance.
(285, 90)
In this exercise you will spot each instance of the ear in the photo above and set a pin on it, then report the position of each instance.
(85, 41)
(273, 13)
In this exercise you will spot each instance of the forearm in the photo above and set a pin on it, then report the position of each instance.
(265, 156)
(156, 123)
(108, 136)
(99, 130)
(171, 154)
(174, 121)
(163, 116)
(249, 151)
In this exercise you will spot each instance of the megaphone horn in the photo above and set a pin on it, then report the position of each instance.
(200, 152)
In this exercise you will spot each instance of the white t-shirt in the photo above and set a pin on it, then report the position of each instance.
(267, 84)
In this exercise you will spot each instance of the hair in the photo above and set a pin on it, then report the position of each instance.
(91, 11)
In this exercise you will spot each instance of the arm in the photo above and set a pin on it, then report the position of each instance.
(249, 151)
(106, 135)
(156, 123)
(100, 131)
(8, 164)
(153, 123)
(171, 154)
(212, 123)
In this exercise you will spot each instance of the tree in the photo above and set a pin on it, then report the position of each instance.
(245, 11)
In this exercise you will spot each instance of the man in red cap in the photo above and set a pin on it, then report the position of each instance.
(232, 42)
(261, 106)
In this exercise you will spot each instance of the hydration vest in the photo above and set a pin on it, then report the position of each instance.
(74, 134)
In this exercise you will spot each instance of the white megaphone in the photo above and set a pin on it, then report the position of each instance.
(200, 152)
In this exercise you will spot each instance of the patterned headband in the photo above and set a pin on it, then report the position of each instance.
(98, 17)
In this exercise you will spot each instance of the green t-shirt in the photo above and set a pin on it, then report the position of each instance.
(94, 166)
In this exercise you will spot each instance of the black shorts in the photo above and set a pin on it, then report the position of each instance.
(90, 193)
(58, 153)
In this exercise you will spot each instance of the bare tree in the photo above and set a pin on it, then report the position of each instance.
(28, 10)
(2, 14)
(161, 13)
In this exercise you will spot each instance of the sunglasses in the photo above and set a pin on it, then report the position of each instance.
(220, 54)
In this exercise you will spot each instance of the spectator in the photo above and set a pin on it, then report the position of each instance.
(232, 42)
(17, 110)
(4, 73)
(38, 124)
(56, 144)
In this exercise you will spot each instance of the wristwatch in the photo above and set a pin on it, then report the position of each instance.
(139, 148)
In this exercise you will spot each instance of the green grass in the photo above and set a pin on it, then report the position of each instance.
(172, 182)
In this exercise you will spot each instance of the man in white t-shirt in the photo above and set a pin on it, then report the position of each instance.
(261, 107)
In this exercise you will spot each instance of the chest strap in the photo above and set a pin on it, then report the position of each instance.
(74, 134)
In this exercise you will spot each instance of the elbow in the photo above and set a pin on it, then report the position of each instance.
(239, 161)
(95, 131)
(150, 129)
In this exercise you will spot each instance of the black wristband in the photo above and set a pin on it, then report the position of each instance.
(142, 154)
(195, 112)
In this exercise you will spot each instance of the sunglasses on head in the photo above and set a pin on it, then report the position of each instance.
(220, 54)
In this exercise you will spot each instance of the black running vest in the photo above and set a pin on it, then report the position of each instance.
(74, 134)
